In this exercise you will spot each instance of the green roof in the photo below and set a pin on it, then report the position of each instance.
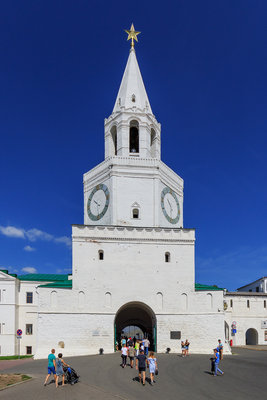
(6, 272)
(199, 287)
(60, 284)
(43, 277)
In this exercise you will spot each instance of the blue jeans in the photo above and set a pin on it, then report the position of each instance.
(216, 368)
(146, 351)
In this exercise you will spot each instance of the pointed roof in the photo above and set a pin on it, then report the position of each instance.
(132, 92)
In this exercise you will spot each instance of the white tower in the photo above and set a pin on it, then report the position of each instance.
(133, 187)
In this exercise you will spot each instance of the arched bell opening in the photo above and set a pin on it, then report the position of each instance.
(113, 133)
(136, 314)
(134, 137)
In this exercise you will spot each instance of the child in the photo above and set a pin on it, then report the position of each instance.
(183, 349)
(153, 366)
(59, 369)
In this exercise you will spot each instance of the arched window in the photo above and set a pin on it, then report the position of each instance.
(81, 299)
(134, 137)
(153, 143)
(135, 213)
(160, 300)
(209, 300)
(184, 301)
(101, 255)
(53, 298)
(113, 132)
(167, 257)
(108, 299)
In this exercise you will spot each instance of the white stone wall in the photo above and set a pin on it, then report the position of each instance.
(8, 311)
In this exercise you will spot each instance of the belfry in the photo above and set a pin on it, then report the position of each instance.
(133, 261)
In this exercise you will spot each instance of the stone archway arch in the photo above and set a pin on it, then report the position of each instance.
(136, 314)
(252, 336)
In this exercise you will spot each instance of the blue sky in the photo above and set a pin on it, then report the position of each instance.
(204, 68)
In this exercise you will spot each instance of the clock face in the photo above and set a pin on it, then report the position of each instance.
(98, 202)
(170, 205)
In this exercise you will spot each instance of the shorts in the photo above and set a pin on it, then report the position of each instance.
(142, 369)
(51, 370)
(131, 358)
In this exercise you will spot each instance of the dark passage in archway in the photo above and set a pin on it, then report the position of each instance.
(252, 336)
(136, 314)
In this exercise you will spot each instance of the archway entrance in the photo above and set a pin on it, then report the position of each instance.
(252, 336)
(136, 317)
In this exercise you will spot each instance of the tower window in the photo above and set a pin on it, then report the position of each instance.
(134, 137)
(248, 304)
(101, 255)
(133, 98)
(135, 213)
(167, 257)
(264, 303)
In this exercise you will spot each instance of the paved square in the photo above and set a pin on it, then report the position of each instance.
(179, 378)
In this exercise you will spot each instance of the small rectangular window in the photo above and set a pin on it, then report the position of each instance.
(231, 303)
(28, 329)
(28, 349)
(264, 303)
(29, 296)
(257, 289)
(248, 304)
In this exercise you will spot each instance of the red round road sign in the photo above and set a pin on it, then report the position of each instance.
(19, 332)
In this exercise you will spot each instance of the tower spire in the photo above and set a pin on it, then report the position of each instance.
(132, 93)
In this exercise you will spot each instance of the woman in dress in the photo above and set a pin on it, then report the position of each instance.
(153, 366)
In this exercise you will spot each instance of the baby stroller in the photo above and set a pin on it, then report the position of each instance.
(71, 375)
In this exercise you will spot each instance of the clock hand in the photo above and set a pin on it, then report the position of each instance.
(169, 204)
(97, 203)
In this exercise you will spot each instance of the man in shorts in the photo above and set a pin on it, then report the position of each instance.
(51, 366)
(141, 365)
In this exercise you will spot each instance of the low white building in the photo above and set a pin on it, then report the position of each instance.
(246, 318)
(259, 286)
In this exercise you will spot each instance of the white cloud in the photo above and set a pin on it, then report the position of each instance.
(33, 235)
(29, 270)
(29, 248)
(64, 239)
(11, 231)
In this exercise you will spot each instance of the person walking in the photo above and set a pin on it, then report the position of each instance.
(59, 365)
(220, 348)
(216, 363)
(131, 354)
(124, 354)
(51, 366)
(187, 344)
(140, 364)
(183, 349)
(146, 345)
(153, 366)
(137, 345)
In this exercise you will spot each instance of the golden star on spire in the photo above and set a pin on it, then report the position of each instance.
(132, 34)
